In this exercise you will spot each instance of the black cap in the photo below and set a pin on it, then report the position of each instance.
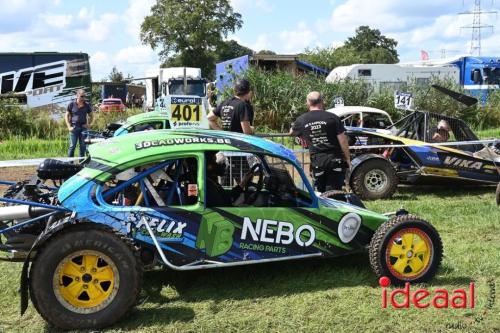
(241, 87)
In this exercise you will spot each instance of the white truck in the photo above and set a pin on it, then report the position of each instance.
(394, 75)
(174, 81)
(181, 92)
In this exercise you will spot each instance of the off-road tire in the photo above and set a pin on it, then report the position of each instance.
(498, 194)
(381, 238)
(89, 238)
(378, 165)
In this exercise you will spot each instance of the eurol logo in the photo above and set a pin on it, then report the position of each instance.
(402, 298)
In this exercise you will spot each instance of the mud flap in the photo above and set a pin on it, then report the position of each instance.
(24, 286)
(24, 283)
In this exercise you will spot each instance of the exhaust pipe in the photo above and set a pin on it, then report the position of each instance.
(22, 212)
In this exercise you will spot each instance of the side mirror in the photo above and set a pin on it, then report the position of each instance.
(476, 76)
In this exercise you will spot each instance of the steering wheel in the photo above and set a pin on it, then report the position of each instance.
(251, 190)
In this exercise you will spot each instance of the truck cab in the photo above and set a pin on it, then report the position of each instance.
(182, 81)
(479, 75)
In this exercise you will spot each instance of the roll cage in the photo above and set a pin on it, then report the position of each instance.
(179, 181)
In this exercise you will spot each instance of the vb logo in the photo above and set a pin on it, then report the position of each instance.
(215, 235)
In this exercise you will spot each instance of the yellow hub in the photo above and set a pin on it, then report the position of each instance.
(409, 253)
(86, 281)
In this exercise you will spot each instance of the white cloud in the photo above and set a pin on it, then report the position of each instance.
(263, 43)
(416, 25)
(388, 15)
(353, 13)
(100, 65)
(85, 13)
(294, 41)
(241, 5)
(134, 60)
(139, 54)
(134, 15)
(59, 21)
(99, 30)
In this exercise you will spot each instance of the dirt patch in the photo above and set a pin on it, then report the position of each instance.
(15, 174)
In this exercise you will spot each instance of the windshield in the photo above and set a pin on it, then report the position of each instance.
(194, 87)
(492, 75)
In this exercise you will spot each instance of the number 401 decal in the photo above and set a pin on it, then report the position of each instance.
(185, 112)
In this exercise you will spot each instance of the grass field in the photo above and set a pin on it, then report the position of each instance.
(340, 295)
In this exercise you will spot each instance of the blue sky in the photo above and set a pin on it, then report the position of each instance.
(109, 30)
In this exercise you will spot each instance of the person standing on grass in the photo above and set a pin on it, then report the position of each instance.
(328, 147)
(236, 113)
(78, 119)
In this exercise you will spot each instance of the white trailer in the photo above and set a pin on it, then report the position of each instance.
(394, 75)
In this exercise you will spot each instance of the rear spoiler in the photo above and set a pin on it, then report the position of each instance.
(464, 99)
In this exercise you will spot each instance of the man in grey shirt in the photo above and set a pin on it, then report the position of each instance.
(78, 119)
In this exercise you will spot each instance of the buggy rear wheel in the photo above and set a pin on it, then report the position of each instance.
(406, 249)
(374, 179)
(85, 278)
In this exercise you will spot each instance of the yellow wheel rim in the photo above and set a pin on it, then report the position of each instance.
(86, 281)
(409, 254)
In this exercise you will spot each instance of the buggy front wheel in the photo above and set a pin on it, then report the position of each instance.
(406, 249)
(85, 278)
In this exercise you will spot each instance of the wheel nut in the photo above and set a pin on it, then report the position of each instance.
(96, 281)
(85, 286)
(77, 279)
(82, 269)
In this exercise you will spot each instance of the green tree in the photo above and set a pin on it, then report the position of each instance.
(372, 46)
(115, 75)
(367, 46)
(231, 49)
(330, 57)
(266, 52)
(189, 31)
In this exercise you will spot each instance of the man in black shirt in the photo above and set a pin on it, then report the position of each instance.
(236, 113)
(77, 122)
(329, 151)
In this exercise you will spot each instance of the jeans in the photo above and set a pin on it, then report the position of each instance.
(74, 136)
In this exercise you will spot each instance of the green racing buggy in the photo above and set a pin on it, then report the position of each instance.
(141, 200)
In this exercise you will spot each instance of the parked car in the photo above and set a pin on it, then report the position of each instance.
(425, 148)
(414, 156)
(363, 116)
(112, 105)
